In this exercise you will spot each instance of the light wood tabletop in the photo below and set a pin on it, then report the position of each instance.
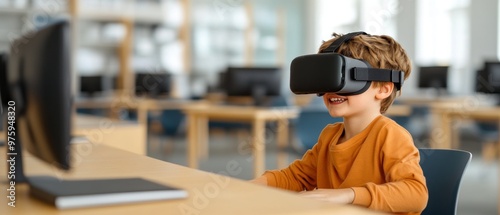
(208, 193)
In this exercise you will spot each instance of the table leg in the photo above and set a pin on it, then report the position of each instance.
(441, 131)
(498, 154)
(202, 125)
(142, 116)
(282, 142)
(454, 135)
(258, 147)
(192, 133)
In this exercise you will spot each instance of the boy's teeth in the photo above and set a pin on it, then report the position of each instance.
(337, 99)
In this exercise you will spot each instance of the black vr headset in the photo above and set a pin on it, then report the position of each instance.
(329, 72)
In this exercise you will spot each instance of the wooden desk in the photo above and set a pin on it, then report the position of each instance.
(398, 110)
(126, 135)
(208, 193)
(112, 104)
(146, 105)
(443, 116)
(141, 105)
(199, 115)
(430, 100)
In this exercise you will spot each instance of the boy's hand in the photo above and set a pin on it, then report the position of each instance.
(339, 196)
(262, 180)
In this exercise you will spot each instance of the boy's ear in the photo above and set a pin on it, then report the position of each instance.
(385, 90)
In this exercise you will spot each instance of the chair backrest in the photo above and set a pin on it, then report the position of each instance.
(171, 121)
(443, 170)
(310, 123)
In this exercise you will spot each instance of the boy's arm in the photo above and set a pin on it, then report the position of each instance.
(298, 176)
(338, 196)
(405, 189)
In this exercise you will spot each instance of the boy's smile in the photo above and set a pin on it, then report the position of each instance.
(335, 99)
(336, 104)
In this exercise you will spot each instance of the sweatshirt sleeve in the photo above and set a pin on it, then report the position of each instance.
(405, 189)
(300, 175)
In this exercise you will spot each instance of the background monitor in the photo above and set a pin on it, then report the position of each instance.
(90, 85)
(433, 77)
(488, 78)
(255, 82)
(153, 84)
(39, 82)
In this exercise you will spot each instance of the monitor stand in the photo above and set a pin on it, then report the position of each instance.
(497, 99)
(259, 95)
(14, 154)
(440, 92)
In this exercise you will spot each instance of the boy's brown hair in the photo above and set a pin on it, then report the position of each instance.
(380, 51)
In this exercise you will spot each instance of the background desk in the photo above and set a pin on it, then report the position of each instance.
(199, 115)
(208, 193)
(443, 135)
(126, 135)
(114, 104)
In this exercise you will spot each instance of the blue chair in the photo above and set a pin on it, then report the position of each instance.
(488, 130)
(443, 170)
(310, 123)
(171, 121)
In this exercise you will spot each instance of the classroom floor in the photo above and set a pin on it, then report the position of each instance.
(478, 195)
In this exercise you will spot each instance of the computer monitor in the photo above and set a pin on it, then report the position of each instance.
(433, 77)
(40, 94)
(153, 84)
(255, 82)
(90, 85)
(488, 80)
(3, 90)
(39, 86)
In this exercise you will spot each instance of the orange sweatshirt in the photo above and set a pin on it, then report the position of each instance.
(381, 165)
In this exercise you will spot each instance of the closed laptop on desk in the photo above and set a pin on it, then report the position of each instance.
(86, 193)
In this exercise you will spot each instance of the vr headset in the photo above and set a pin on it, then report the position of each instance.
(329, 72)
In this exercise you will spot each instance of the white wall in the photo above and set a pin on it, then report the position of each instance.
(458, 33)
(406, 21)
(484, 31)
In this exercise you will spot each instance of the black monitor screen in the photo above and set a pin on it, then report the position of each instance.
(152, 84)
(255, 82)
(488, 79)
(39, 83)
(3, 77)
(90, 85)
(433, 77)
(3, 88)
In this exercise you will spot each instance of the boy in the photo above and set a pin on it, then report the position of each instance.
(367, 160)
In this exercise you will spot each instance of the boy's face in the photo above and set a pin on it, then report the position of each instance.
(364, 104)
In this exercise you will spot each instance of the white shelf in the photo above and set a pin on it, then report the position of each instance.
(13, 11)
(142, 16)
(24, 11)
(104, 45)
